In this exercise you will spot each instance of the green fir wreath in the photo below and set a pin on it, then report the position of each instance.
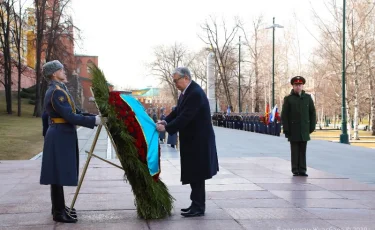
(152, 198)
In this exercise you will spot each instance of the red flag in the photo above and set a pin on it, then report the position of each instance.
(267, 114)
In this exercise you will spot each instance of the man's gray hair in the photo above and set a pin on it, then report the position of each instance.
(182, 71)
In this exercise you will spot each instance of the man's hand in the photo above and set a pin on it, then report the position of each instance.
(160, 127)
(163, 122)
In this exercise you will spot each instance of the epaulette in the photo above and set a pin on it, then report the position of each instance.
(67, 96)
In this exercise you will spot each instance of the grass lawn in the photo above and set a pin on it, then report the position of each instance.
(20, 137)
(334, 135)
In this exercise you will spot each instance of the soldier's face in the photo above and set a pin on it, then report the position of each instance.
(297, 88)
(60, 75)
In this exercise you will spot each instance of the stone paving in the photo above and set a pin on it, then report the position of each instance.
(253, 191)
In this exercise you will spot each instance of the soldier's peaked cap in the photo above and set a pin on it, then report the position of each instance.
(298, 80)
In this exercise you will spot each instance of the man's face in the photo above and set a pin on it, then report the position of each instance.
(297, 88)
(180, 81)
(60, 75)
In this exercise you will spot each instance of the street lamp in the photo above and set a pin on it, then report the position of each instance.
(273, 58)
(344, 134)
(239, 74)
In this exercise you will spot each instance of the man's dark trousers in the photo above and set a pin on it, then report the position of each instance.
(198, 196)
(298, 149)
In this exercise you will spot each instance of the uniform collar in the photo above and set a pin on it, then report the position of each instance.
(59, 83)
(293, 93)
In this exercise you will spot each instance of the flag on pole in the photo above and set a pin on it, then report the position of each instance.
(267, 115)
(274, 114)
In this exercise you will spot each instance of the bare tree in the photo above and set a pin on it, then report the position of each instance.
(254, 46)
(59, 38)
(6, 21)
(198, 67)
(18, 43)
(166, 60)
(224, 52)
(54, 40)
(40, 17)
(359, 43)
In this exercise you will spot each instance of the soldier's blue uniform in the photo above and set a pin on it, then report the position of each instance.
(45, 122)
(162, 134)
(172, 139)
(60, 152)
(252, 123)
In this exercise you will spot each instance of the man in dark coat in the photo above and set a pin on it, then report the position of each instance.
(298, 117)
(192, 119)
(60, 151)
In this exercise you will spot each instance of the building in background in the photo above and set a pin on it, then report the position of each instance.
(82, 74)
(76, 66)
(155, 98)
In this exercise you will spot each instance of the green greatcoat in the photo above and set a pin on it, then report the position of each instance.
(298, 116)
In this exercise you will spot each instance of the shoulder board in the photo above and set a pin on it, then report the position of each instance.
(68, 97)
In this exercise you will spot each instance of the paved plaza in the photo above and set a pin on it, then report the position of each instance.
(253, 190)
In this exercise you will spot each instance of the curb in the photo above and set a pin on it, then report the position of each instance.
(39, 155)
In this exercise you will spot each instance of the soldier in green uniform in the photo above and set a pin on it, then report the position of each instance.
(298, 118)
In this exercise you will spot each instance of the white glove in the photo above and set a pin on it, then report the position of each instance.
(98, 120)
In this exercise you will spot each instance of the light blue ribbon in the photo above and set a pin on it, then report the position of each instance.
(149, 130)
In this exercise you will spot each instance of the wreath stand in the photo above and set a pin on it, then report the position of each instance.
(91, 154)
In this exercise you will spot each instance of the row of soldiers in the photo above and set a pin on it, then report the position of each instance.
(251, 122)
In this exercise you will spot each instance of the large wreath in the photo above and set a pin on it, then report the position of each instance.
(152, 198)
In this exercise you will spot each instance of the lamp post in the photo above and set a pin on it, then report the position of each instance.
(344, 134)
(273, 58)
(239, 74)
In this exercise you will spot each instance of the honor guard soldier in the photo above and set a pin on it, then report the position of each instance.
(256, 123)
(172, 139)
(251, 123)
(239, 122)
(277, 126)
(245, 122)
(221, 119)
(235, 117)
(60, 164)
(229, 121)
(214, 119)
(162, 117)
(298, 117)
(225, 121)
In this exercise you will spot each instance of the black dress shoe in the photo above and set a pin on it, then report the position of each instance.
(63, 217)
(67, 209)
(72, 214)
(192, 213)
(295, 174)
(303, 174)
(185, 209)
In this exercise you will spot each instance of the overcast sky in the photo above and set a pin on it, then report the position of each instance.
(124, 33)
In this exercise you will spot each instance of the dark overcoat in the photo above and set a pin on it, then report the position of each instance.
(192, 119)
(298, 116)
(45, 122)
(60, 152)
